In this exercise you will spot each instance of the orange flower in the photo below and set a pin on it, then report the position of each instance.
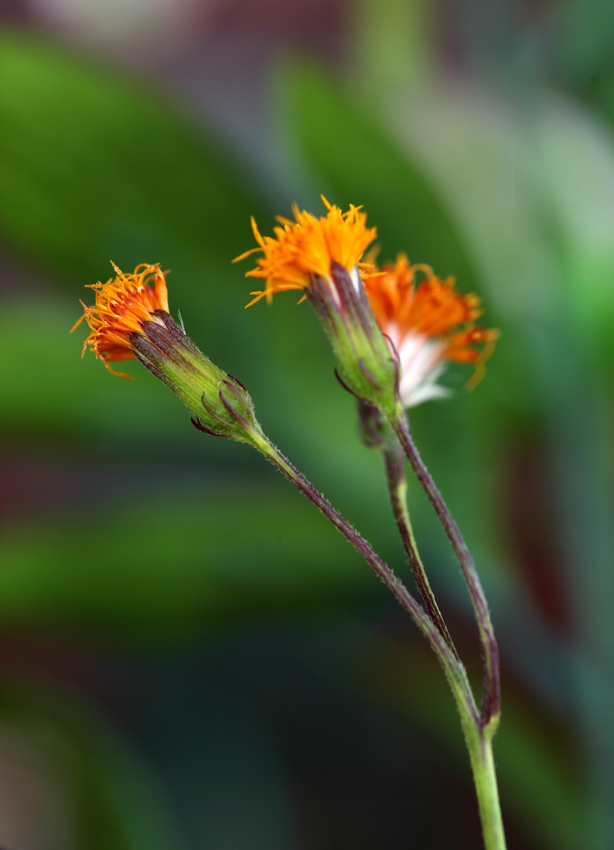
(121, 306)
(305, 248)
(429, 322)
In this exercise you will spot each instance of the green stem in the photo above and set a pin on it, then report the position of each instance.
(478, 735)
(479, 744)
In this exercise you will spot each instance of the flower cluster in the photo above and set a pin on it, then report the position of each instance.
(392, 330)
(425, 319)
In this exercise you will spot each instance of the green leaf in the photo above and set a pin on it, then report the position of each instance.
(94, 166)
(48, 389)
(101, 794)
(180, 561)
(345, 148)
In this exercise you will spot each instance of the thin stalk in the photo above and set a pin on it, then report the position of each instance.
(453, 667)
(477, 735)
(479, 744)
(491, 699)
(478, 739)
(397, 488)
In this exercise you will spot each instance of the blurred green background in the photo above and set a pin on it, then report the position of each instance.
(189, 656)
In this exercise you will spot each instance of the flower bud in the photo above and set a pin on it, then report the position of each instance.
(130, 320)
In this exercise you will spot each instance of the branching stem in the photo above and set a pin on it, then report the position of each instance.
(491, 700)
(397, 487)
(453, 667)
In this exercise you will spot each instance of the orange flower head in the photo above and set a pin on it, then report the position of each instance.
(429, 322)
(122, 305)
(304, 249)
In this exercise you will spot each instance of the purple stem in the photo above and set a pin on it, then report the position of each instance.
(393, 461)
(491, 700)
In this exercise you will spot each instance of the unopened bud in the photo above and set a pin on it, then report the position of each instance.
(130, 320)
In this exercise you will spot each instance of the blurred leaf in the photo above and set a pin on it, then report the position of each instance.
(109, 797)
(93, 166)
(357, 163)
(184, 563)
(393, 43)
(50, 389)
(578, 40)
(578, 171)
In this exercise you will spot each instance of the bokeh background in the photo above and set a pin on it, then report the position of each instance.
(190, 657)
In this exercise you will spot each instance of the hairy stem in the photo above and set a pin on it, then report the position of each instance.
(491, 700)
(453, 668)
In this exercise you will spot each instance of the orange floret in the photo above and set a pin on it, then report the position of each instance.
(122, 304)
(405, 305)
(304, 248)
